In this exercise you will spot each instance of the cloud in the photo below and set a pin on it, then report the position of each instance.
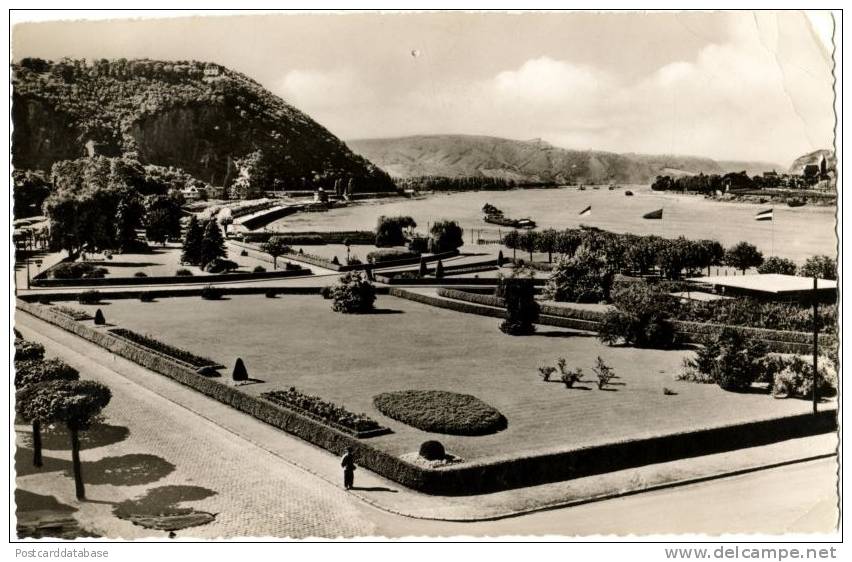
(315, 90)
(749, 96)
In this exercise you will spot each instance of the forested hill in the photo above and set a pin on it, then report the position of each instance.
(528, 161)
(206, 119)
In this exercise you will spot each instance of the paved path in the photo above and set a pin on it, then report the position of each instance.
(264, 471)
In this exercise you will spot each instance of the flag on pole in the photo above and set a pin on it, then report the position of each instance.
(658, 214)
(586, 211)
(764, 215)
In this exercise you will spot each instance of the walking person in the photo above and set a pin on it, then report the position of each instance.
(348, 464)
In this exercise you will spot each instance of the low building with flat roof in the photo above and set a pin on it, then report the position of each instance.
(769, 286)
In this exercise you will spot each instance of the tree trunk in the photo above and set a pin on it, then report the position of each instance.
(274, 262)
(550, 256)
(75, 460)
(37, 443)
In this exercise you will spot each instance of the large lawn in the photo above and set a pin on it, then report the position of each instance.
(164, 261)
(298, 341)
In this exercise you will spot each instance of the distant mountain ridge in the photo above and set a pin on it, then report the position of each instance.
(530, 161)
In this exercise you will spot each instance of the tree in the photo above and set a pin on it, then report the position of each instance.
(192, 242)
(710, 252)
(74, 403)
(528, 241)
(129, 215)
(212, 245)
(162, 218)
(778, 265)
(512, 240)
(446, 235)
(391, 231)
(35, 372)
(353, 294)
(584, 277)
(821, 267)
(423, 268)
(276, 246)
(743, 256)
(546, 242)
(522, 310)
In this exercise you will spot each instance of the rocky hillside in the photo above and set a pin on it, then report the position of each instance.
(201, 117)
(814, 158)
(528, 161)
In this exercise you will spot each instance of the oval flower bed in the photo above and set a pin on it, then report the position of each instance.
(439, 411)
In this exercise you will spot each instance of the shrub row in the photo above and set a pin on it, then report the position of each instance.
(192, 359)
(178, 278)
(391, 255)
(466, 478)
(355, 237)
(359, 425)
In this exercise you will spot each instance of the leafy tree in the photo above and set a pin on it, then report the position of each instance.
(822, 267)
(522, 310)
(584, 277)
(709, 253)
(162, 218)
(673, 256)
(775, 264)
(446, 235)
(512, 240)
(74, 403)
(528, 241)
(129, 214)
(192, 242)
(35, 372)
(641, 252)
(353, 294)
(743, 256)
(212, 244)
(546, 242)
(277, 246)
(391, 231)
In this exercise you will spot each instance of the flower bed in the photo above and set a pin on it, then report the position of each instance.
(440, 411)
(165, 349)
(359, 425)
(73, 313)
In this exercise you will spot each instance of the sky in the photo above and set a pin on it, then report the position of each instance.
(726, 85)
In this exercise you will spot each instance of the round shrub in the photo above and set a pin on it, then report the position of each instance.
(353, 294)
(259, 269)
(211, 293)
(795, 378)
(326, 292)
(28, 350)
(89, 297)
(270, 293)
(183, 273)
(244, 253)
(140, 274)
(432, 451)
(439, 411)
(146, 297)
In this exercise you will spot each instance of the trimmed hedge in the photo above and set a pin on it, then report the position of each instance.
(170, 280)
(439, 411)
(355, 237)
(464, 478)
